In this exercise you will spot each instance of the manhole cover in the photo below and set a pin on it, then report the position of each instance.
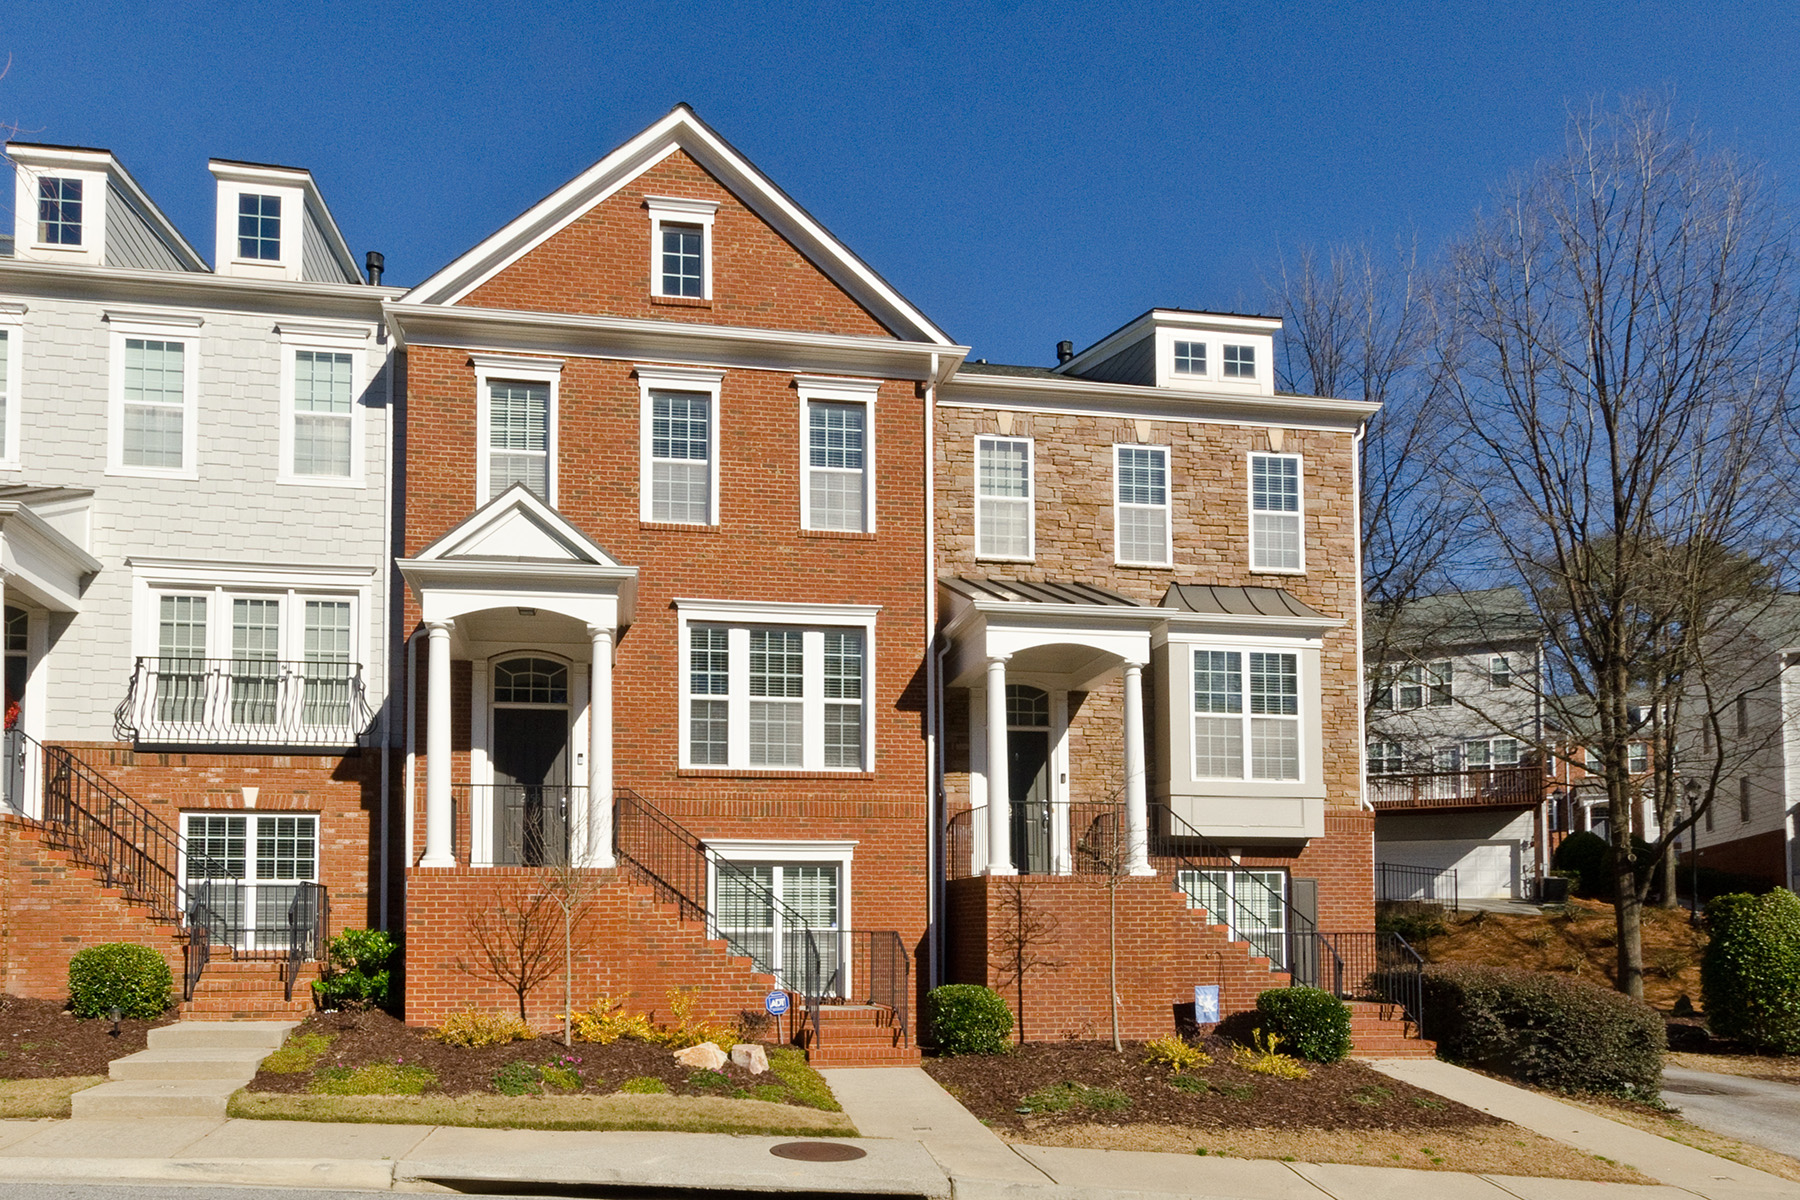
(817, 1151)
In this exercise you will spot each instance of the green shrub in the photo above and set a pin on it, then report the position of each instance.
(1583, 856)
(134, 979)
(1750, 973)
(376, 1079)
(1312, 1024)
(966, 1018)
(801, 1079)
(1545, 1029)
(644, 1085)
(356, 970)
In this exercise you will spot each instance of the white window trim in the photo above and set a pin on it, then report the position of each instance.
(761, 851)
(1255, 371)
(12, 323)
(1303, 718)
(1168, 508)
(168, 327)
(1250, 508)
(151, 578)
(679, 210)
(293, 229)
(1030, 554)
(812, 620)
(661, 378)
(1209, 350)
(837, 391)
(497, 368)
(327, 339)
(95, 187)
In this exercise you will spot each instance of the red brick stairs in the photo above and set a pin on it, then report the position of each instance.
(861, 1035)
(1379, 1030)
(248, 990)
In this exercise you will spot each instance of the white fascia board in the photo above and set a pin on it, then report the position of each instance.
(524, 583)
(50, 157)
(1182, 621)
(197, 288)
(1026, 394)
(41, 562)
(583, 336)
(679, 130)
(749, 612)
(1145, 326)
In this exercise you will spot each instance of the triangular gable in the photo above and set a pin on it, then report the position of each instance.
(517, 525)
(681, 130)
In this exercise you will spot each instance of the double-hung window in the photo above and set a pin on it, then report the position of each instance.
(1385, 758)
(324, 411)
(836, 493)
(680, 445)
(775, 697)
(1246, 714)
(1141, 508)
(259, 227)
(516, 400)
(245, 876)
(1003, 498)
(1275, 527)
(681, 250)
(1252, 905)
(154, 377)
(783, 905)
(59, 211)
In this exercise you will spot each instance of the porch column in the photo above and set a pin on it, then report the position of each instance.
(999, 789)
(1137, 809)
(599, 852)
(438, 832)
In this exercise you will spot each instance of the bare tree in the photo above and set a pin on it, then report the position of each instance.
(513, 929)
(1024, 941)
(1619, 337)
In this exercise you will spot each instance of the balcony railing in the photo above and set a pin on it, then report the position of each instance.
(243, 702)
(1479, 787)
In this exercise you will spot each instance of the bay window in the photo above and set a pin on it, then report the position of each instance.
(1246, 713)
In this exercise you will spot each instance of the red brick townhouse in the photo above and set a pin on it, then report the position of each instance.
(668, 591)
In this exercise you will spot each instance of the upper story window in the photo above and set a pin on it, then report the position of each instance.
(1637, 757)
(1240, 362)
(59, 211)
(1003, 498)
(1190, 358)
(9, 389)
(1253, 736)
(1491, 752)
(775, 697)
(681, 247)
(836, 465)
(1275, 533)
(1141, 508)
(153, 410)
(518, 436)
(1385, 758)
(680, 445)
(324, 410)
(1414, 685)
(259, 227)
(1500, 672)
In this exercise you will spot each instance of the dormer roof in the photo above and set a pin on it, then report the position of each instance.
(316, 216)
(36, 159)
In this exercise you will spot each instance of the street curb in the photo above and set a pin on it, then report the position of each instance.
(348, 1174)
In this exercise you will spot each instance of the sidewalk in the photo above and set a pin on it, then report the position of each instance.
(917, 1142)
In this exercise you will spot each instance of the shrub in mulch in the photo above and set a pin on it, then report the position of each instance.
(1087, 1083)
(1750, 976)
(372, 1053)
(42, 1039)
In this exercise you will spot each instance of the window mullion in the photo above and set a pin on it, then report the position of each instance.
(737, 732)
(812, 701)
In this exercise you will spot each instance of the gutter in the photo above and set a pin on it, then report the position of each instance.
(934, 850)
(1362, 717)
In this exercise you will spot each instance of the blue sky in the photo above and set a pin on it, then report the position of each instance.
(1023, 172)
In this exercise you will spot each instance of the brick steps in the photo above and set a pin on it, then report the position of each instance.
(1383, 1031)
(860, 1035)
(247, 989)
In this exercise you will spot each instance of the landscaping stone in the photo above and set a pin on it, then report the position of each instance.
(750, 1056)
(705, 1056)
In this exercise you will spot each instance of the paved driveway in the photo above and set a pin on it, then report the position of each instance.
(1751, 1110)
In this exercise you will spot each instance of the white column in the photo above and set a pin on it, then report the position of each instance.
(599, 852)
(1137, 809)
(438, 831)
(1000, 860)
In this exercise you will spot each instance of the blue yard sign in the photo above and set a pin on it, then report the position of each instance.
(1206, 1004)
(777, 1003)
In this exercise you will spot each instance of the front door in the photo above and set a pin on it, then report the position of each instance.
(1028, 776)
(530, 757)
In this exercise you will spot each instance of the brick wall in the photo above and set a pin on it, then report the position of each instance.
(1763, 855)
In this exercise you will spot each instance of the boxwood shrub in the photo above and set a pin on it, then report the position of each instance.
(1545, 1029)
(966, 1018)
(134, 978)
(1313, 1024)
(1750, 972)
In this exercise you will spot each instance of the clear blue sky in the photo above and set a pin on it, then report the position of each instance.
(1023, 172)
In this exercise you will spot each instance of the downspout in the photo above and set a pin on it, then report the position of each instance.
(1362, 732)
(387, 627)
(934, 896)
(410, 782)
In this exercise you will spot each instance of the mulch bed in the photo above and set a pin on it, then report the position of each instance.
(361, 1038)
(1345, 1095)
(41, 1039)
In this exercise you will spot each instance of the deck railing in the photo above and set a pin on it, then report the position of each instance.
(1399, 882)
(180, 701)
(1478, 787)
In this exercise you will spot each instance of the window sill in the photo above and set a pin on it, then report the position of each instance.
(678, 526)
(766, 773)
(152, 473)
(1278, 570)
(839, 535)
(319, 481)
(682, 301)
(1139, 566)
(1001, 558)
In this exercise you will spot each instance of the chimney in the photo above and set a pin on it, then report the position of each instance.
(1064, 352)
(374, 261)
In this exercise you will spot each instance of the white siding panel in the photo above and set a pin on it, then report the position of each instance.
(317, 263)
(129, 239)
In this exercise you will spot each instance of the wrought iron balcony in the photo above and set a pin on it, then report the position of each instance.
(243, 702)
(1478, 787)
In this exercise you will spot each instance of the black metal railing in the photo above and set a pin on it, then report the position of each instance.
(174, 700)
(528, 824)
(880, 972)
(1381, 967)
(1476, 787)
(125, 844)
(270, 922)
(1398, 882)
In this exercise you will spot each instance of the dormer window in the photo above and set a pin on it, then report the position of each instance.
(681, 246)
(1190, 358)
(681, 255)
(1240, 362)
(59, 211)
(259, 227)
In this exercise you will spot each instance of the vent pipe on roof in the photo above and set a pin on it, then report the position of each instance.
(375, 262)
(1064, 352)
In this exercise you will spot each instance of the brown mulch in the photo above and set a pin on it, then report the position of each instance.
(1341, 1096)
(41, 1039)
(367, 1037)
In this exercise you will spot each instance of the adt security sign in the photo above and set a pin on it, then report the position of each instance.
(1206, 1004)
(777, 1003)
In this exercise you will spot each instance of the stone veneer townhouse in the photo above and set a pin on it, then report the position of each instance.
(193, 505)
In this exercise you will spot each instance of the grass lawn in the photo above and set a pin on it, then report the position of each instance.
(26, 1098)
(680, 1114)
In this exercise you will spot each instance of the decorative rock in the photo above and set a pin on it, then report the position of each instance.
(705, 1056)
(751, 1057)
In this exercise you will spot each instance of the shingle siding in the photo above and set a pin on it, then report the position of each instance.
(130, 241)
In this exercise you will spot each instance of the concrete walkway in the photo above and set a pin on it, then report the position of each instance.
(188, 1069)
(1751, 1110)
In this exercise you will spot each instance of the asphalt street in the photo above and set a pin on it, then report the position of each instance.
(1751, 1110)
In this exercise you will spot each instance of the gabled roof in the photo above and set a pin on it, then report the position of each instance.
(682, 130)
(1461, 618)
(300, 177)
(516, 526)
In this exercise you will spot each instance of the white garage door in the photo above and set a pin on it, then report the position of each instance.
(1484, 870)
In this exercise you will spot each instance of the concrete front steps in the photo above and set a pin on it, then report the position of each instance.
(860, 1035)
(1383, 1031)
(190, 1069)
(249, 990)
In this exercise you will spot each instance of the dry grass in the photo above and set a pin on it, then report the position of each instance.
(1752, 1066)
(21, 1098)
(1678, 1130)
(678, 1114)
(1507, 1150)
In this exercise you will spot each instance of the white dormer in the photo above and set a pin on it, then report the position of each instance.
(80, 207)
(1188, 351)
(272, 224)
